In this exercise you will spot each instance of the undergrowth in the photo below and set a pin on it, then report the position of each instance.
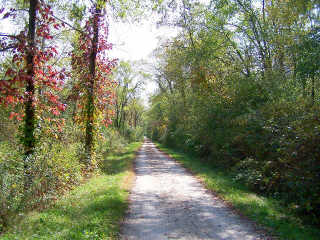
(92, 210)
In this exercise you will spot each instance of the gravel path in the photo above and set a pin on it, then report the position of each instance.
(169, 203)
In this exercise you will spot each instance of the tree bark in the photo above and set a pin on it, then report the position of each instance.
(312, 91)
(91, 84)
(29, 119)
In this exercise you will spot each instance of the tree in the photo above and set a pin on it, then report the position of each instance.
(91, 71)
(129, 84)
(309, 58)
(29, 71)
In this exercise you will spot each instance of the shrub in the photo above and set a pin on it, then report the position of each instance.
(54, 168)
(11, 183)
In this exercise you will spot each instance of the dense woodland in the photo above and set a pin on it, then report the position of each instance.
(238, 87)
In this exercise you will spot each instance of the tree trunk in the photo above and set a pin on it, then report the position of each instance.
(90, 92)
(312, 91)
(29, 119)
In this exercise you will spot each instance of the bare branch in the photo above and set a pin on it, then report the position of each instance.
(7, 48)
(68, 24)
(8, 35)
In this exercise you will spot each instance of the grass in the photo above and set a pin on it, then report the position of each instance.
(268, 212)
(93, 210)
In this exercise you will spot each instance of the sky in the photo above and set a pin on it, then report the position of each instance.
(136, 41)
(132, 42)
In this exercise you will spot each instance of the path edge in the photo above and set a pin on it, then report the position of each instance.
(264, 231)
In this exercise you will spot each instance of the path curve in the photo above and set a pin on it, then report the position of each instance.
(167, 202)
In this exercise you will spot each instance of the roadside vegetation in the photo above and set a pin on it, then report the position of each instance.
(239, 88)
(65, 109)
(271, 214)
(93, 210)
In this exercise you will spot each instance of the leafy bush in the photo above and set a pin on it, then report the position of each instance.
(54, 168)
(282, 157)
(109, 140)
(11, 183)
(134, 134)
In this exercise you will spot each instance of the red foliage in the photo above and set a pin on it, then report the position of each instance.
(103, 84)
(46, 78)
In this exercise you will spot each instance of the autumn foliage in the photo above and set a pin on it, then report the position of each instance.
(46, 78)
(103, 94)
(37, 93)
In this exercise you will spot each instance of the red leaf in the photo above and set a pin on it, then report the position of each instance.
(12, 115)
(10, 99)
(54, 50)
(9, 72)
(61, 76)
(55, 112)
(61, 107)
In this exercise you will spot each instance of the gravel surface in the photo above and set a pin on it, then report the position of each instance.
(167, 202)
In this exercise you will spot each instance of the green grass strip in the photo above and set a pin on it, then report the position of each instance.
(266, 211)
(93, 210)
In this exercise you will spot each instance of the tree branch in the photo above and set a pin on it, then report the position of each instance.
(7, 48)
(68, 24)
(8, 35)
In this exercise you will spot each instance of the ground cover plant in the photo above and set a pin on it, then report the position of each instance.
(93, 210)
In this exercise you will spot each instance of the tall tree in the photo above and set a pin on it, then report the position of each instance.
(96, 18)
(92, 68)
(129, 84)
(28, 71)
(30, 83)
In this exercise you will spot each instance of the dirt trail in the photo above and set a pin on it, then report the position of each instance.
(169, 203)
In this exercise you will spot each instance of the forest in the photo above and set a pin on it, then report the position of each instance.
(237, 87)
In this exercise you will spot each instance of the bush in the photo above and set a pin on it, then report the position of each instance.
(282, 157)
(134, 134)
(11, 183)
(53, 168)
(109, 140)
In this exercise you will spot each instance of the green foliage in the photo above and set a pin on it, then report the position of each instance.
(309, 54)
(110, 141)
(280, 157)
(240, 90)
(134, 134)
(53, 169)
(8, 128)
(128, 107)
(90, 211)
(11, 183)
